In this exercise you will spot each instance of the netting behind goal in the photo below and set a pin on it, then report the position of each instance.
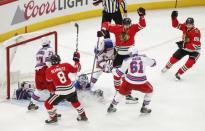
(18, 59)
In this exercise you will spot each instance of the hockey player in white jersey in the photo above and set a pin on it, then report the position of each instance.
(133, 71)
(105, 56)
(43, 88)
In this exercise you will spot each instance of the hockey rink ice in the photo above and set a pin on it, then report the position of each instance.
(176, 105)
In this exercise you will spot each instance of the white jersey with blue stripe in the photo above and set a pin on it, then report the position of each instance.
(43, 57)
(133, 69)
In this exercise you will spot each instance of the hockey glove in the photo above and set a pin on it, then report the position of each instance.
(174, 14)
(76, 56)
(141, 11)
(180, 44)
(101, 33)
(96, 2)
(107, 68)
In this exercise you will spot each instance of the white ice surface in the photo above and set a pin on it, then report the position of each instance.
(176, 105)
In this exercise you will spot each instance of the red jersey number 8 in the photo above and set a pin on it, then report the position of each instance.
(61, 77)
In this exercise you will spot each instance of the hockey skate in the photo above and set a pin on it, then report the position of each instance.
(82, 117)
(111, 109)
(32, 106)
(145, 110)
(178, 76)
(52, 120)
(131, 100)
(164, 70)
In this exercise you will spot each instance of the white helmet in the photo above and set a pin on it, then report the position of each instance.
(45, 42)
(105, 44)
(133, 51)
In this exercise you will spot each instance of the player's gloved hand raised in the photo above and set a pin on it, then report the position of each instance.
(96, 2)
(76, 56)
(101, 33)
(180, 44)
(174, 14)
(141, 11)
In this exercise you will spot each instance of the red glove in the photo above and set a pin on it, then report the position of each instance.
(76, 56)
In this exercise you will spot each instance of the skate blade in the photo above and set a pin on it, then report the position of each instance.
(131, 102)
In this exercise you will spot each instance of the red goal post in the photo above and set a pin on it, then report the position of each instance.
(26, 41)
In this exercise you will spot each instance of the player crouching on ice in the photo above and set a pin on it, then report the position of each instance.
(82, 84)
(133, 71)
(105, 56)
(64, 89)
(190, 45)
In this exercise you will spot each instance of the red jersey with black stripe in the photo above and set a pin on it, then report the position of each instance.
(59, 75)
(190, 37)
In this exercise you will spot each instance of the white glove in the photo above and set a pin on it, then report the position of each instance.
(107, 68)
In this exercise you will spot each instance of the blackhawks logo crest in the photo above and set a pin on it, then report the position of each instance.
(124, 37)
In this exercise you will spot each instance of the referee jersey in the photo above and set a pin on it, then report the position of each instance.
(113, 6)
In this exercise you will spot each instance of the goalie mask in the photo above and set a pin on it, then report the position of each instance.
(83, 79)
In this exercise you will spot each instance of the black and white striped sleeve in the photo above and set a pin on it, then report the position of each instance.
(124, 6)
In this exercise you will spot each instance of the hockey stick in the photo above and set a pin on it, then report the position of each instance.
(77, 27)
(94, 60)
(93, 72)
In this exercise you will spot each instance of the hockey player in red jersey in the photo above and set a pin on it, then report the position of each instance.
(134, 78)
(125, 39)
(43, 88)
(64, 87)
(190, 45)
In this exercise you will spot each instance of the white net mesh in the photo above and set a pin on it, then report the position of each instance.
(22, 59)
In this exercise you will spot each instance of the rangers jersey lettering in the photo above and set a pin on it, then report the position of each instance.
(133, 69)
(43, 57)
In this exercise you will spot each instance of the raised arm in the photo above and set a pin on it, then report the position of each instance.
(175, 22)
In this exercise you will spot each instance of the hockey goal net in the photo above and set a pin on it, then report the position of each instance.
(18, 59)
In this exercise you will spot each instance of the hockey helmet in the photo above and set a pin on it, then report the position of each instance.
(83, 79)
(190, 21)
(108, 44)
(55, 59)
(126, 21)
(45, 42)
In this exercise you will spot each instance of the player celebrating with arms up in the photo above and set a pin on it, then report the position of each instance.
(124, 35)
(64, 89)
(190, 45)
